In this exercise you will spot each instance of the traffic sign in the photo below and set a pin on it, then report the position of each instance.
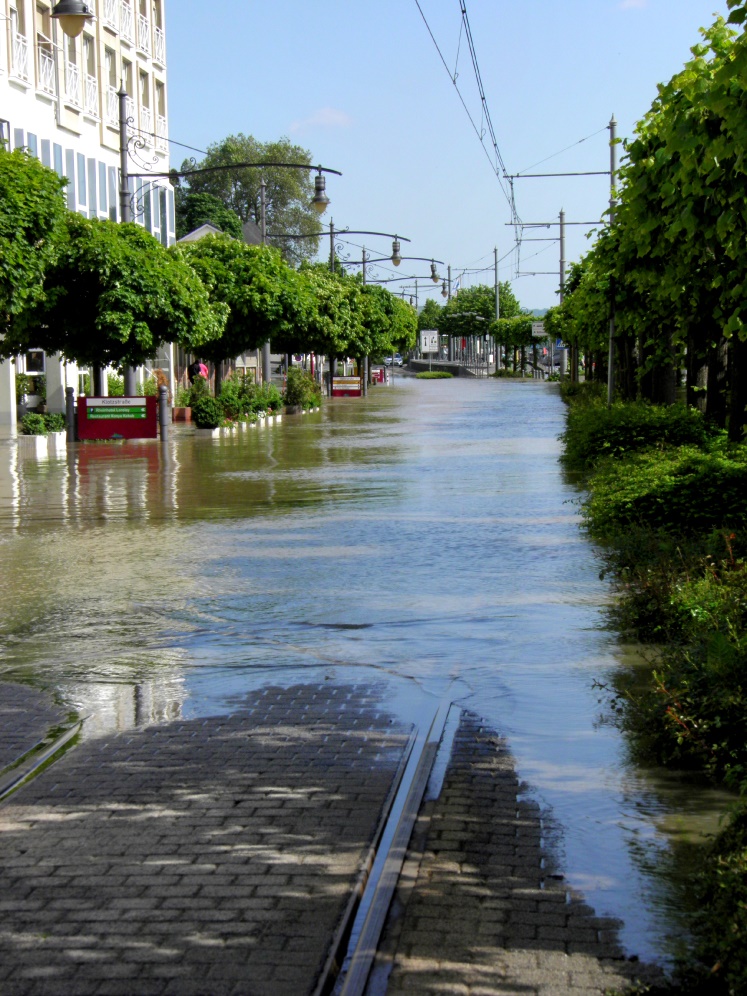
(429, 342)
(538, 329)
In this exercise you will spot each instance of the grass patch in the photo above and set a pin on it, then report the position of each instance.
(434, 375)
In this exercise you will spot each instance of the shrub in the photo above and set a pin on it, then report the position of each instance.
(183, 397)
(54, 422)
(24, 385)
(594, 430)
(207, 413)
(115, 386)
(230, 398)
(683, 491)
(434, 375)
(33, 425)
(267, 398)
(301, 389)
(583, 391)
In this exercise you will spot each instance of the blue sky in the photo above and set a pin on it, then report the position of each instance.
(362, 86)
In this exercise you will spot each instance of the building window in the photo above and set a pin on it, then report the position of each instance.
(159, 35)
(146, 112)
(45, 68)
(57, 155)
(33, 361)
(82, 199)
(92, 210)
(91, 93)
(112, 90)
(113, 192)
(70, 174)
(102, 188)
(161, 140)
(72, 73)
(19, 61)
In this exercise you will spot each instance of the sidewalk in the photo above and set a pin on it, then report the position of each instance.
(210, 856)
(219, 856)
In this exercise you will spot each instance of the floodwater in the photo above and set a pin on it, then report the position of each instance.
(424, 539)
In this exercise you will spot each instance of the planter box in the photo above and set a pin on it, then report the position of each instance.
(57, 442)
(181, 414)
(33, 446)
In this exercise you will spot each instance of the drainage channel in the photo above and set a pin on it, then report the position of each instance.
(30, 764)
(367, 912)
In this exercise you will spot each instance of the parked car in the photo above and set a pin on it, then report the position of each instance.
(397, 358)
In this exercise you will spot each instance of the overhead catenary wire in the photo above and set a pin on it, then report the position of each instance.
(498, 166)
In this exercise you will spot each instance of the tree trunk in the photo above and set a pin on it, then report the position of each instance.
(716, 389)
(697, 370)
(218, 378)
(738, 389)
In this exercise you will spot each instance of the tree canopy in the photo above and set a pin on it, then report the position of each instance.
(193, 210)
(32, 210)
(288, 191)
(112, 295)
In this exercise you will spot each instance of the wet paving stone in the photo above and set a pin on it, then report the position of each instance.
(210, 855)
(26, 717)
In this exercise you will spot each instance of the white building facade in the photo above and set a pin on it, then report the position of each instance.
(58, 100)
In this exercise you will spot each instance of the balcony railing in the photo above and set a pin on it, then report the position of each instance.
(143, 33)
(46, 71)
(161, 144)
(112, 105)
(146, 124)
(92, 96)
(127, 23)
(159, 54)
(111, 12)
(72, 84)
(131, 111)
(20, 67)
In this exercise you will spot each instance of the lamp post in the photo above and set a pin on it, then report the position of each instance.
(73, 16)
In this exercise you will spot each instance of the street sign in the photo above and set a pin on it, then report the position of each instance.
(559, 344)
(346, 387)
(538, 329)
(429, 342)
(117, 418)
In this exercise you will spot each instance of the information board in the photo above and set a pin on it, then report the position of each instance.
(538, 329)
(118, 418)
(346, 387)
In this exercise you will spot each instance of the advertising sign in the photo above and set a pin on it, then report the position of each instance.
(118, 418)
(346, 387)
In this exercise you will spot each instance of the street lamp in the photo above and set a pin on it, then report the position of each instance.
(72, 15)
(320, 201)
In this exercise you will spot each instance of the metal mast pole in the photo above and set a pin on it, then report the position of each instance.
(448, 298)
(564, 350)
(613, 205)
(497, 304)
(266, 361)
(125, 208)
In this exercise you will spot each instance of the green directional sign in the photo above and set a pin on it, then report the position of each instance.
(106, 408)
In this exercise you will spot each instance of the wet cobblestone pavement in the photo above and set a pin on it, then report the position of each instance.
(482, 909)
(205, 856)
(26, 716)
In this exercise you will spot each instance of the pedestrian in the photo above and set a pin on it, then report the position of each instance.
(193, 370)
(204, 371)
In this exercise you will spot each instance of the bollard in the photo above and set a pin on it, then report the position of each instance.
(70, 413)
(163, 407)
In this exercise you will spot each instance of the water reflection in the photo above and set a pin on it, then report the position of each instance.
(425, 538)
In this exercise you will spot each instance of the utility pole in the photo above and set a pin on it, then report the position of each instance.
(497, 303)
(130, 377)
(563, 351)
(450, 353)
(266, 363)
(613, 205)
(363, 372)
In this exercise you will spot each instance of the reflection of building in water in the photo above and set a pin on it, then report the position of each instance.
(112, 708)
(10, 485)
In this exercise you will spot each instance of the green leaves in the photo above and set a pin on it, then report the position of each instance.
(31, 213)
(112, 295)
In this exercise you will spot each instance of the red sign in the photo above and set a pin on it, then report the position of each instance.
(346, 387)
(118, 418)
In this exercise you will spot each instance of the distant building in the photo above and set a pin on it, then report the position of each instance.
(58, 99)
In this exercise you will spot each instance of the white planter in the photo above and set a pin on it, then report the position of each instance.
(57, 442)
(33, 446)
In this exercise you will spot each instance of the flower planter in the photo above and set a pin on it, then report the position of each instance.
(33, 446)
(181, 414)
(57, 442)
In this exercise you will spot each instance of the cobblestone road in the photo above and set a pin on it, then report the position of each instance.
(480, 910)
(208, 856)
(26, 716)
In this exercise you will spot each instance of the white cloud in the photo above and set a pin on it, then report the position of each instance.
(325, 117)
(630, 4)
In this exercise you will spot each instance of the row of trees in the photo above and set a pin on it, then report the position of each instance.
(672, 265)
(471, 312)
(103, 293)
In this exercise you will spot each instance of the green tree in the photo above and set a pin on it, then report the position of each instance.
(194, 210)
(265, 298)
(430, 315)
(32, 210)
(113, 295)
(288, 191)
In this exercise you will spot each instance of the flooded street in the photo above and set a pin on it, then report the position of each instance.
(424, 540)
